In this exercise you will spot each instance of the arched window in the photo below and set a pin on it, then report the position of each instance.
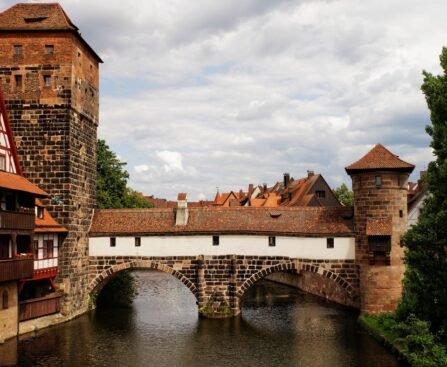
(5, 300)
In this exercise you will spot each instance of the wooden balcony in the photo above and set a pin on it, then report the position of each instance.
(23, 219)
(18, 268)
(39, 307)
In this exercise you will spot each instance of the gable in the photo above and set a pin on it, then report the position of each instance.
(9, 161)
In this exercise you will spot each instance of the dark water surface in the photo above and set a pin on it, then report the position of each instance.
(279, 326)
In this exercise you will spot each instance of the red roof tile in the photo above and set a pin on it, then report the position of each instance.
(14, 182)
(379, 158)
(290, 221)
(181, 196)
(47, 223)
(379, 227)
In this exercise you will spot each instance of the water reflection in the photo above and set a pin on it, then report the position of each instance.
(280, 326)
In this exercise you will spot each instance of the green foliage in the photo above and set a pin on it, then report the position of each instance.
(120, 291)
(344, 195)
(111, 182)
(412, 337)
(426, 243)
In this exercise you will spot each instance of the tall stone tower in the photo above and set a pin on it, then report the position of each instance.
(49, 77)
(379, 182)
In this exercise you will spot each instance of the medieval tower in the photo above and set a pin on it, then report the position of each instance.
(379, 182)
(49, 77)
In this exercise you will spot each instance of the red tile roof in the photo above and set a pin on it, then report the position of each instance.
(245, 220)
(39, 17)
(47, 223)
(379, 227)
(14, 182)
(379, 158)
(181, 196)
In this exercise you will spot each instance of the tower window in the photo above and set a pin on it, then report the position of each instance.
(47, 80)
(320, 194)
(272, 241)
(137, 241)
(378, 181)
(112, 241)
(215, 240)
(49, 49)
(329, 242)
(401, 213)
(19, 81)
(18, 50)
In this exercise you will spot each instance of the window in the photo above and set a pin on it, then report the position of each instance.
(272, 241)
(47, 80)
(5, 300)
(378, 181)
(36, 249)
(18, 50)
(48, 246)
(320, 194)
(215, 240)
(49, 49)
(112, 241)
(401, 213)
(379, 243)
(2, 162)
(329, 242)
(39, 212)
(137, 241)
(19, 81)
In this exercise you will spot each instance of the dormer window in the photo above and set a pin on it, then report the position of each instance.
(378, 181)
(39, 212)
(49, 49)
(320, 194)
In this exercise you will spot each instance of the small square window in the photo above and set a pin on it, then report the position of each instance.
(378, 181)
(137, 241)
(272, 241)
(320, 194)
(19, 81)
(215, 240)
(47, 80)
(18, 49)
(49, 49)
(329, 242)
(112, 241)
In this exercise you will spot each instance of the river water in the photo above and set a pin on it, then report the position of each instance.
(279, 326)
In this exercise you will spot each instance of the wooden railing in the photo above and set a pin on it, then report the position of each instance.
(18, 268)
(23, 219)
(38, 307)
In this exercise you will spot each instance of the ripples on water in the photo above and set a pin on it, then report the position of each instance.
(280, 326)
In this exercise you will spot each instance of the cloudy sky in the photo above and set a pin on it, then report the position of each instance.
(201, 94)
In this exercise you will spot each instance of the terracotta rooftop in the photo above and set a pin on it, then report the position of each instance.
(379, 158)
(47, 223)
(14, 182)
(288, 221)
(39, 17)
(379, 227)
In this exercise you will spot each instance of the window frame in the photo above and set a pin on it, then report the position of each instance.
(18, 50)
(47, 81)
(378, 181)
(321, 194)
(137, 241)
(272, 241)
(49, 50)
(112, 242)
(330, 242)
(216, 240)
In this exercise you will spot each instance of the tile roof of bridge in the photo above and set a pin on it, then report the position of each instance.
(234, 220)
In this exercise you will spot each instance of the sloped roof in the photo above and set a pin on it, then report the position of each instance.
(232, 220)
(40, 17)
(379, 227)
(14, 182)
(47, 223)
(379, 158)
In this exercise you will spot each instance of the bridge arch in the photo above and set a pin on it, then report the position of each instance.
(102, 278)
(297, 267)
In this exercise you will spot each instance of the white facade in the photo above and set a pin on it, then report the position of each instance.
(46, 254)
(294, 247)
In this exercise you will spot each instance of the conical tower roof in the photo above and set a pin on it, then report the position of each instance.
(379, 159)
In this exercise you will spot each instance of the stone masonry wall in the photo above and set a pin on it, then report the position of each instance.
(54, 118)
(220, 282)
(380, 285)
(9, 316)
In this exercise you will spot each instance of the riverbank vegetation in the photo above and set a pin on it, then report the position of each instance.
(120, 291)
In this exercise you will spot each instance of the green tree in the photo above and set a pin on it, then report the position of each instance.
(344, 195)
(120, 291)
(111, 182)
(425, 280)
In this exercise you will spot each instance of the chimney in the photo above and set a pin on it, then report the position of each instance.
(264, 188)
(181, 216)
(310, 173)
(286, 179)
(250, 190)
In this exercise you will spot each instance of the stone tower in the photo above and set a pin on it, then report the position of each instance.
(49, 77)
(379, 182)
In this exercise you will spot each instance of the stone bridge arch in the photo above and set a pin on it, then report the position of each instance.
(101, 279)
(345, 290)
